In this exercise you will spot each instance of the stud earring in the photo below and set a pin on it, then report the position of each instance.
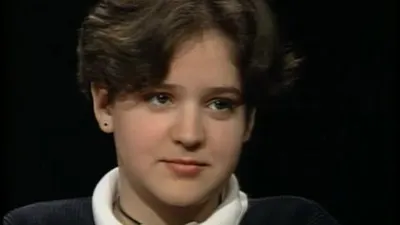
(105, 124)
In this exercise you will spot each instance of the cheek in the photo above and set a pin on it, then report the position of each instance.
(138, 133)
(226, 140)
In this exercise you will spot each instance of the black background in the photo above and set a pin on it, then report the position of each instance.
(331, 139)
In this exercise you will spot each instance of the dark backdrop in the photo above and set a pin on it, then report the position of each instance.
(330, 139)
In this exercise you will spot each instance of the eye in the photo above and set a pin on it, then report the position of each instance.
(158, 99)
(221, 104)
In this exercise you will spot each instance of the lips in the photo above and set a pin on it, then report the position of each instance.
(184, 161)
(183, 167)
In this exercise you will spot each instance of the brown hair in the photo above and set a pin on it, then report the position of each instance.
(127, 45)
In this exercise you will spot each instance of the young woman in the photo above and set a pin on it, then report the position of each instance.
(177, 83)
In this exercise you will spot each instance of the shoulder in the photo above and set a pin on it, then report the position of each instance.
(61, 212)
(286, 210)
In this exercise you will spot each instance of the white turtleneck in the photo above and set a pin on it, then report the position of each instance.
(230, 211)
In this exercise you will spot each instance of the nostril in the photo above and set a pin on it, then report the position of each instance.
(190, 145)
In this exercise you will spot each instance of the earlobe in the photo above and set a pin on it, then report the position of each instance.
(102, 108)
(250, 125)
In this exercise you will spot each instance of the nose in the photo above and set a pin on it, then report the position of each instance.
(188, 129)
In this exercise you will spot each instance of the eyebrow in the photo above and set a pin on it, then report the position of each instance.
(223, 90)
(210, 90)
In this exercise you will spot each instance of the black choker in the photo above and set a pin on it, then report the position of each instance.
(118, 204)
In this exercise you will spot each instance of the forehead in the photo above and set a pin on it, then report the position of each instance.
(205, 60)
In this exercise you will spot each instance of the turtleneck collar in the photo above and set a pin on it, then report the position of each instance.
(230, 211)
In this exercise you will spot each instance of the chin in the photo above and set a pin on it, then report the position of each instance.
(182, 198)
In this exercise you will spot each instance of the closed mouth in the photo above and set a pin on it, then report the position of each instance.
(185, 162)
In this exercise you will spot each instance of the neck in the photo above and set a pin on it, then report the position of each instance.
(147, 209)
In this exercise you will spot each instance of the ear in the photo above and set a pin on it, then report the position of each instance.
(250, 125)
(102, 108)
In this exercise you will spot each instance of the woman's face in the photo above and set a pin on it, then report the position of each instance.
(181, 141)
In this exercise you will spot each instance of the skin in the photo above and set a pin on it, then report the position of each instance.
(197, 112)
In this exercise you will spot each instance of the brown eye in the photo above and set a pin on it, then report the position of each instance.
(159, 99)
(221, 104)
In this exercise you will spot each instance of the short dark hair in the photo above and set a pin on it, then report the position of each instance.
(127, 45)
